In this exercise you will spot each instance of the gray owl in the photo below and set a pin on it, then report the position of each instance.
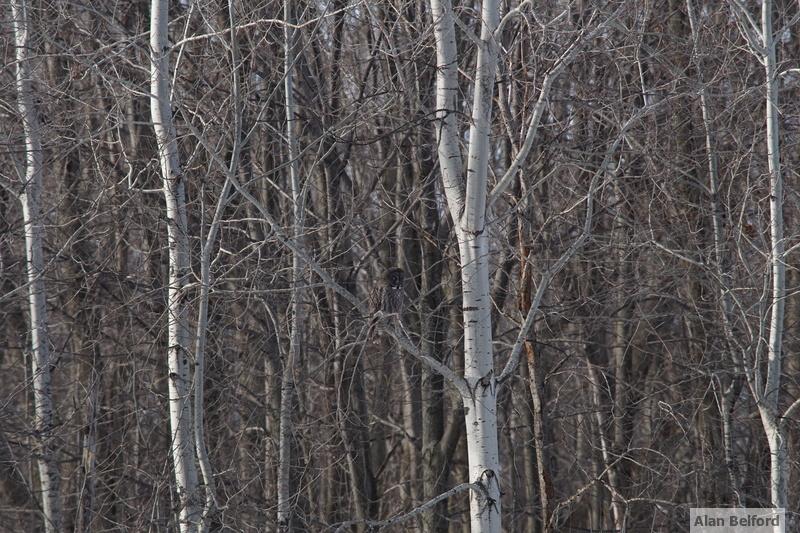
(389, 297)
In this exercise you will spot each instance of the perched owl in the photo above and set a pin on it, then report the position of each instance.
(389, 297)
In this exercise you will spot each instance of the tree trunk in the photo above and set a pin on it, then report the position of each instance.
(533, 360)
(433, 329)
(468, 210)
(182, 445)
(41, 363)
(773, 426)
(298, 311)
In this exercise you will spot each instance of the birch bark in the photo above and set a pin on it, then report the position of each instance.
(767, 393)
(468, 210)
(467, 204)
(769, 411)
(30, 198)
(182, 443)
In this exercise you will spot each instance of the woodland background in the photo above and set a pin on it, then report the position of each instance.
(628, 407)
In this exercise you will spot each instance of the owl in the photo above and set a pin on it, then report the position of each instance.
(389, 297)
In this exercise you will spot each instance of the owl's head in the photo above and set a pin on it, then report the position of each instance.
(395, 277)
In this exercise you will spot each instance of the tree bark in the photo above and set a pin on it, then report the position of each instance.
(298, 310)
(30, 198)
(773, 425)
(468, 210)
(543, 477)
(767, 394)
(182, 442)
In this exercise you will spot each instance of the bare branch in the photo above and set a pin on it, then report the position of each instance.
(378, 525)
(538, 108)
(547, 277)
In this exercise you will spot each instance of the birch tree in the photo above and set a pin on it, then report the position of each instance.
(646, 327)
(174, 189)
(767, 389)
(30, 196)
(467, 200)
(467, 206)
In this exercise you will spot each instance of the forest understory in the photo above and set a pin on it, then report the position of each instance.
(398, 265)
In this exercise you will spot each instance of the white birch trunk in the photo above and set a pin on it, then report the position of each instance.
(771, 391)
(478, 158)
(779, 460)
(446, 118)
(182, 445)
(468, 213)
(468, 206)
(285, 508)
(775, 437)
(767, 393)
(49, 478)
(480, 410)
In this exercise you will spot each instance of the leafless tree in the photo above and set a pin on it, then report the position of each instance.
(593, 205)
